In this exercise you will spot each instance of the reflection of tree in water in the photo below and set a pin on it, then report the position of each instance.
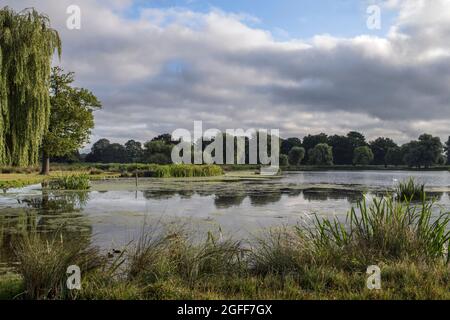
(292, 192)
(263, 199)
(57, 202)
(159, 194)
(49, 215)
(436, 196)
(228, 201)
(331, 194)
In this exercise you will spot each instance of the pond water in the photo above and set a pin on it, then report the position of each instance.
(114, 212)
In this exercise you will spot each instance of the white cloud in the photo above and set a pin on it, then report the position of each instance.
(168, 67)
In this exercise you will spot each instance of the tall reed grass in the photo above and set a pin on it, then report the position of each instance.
(43, 264)
(410, 190)
(71, 182)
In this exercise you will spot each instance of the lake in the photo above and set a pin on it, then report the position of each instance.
(113, 213)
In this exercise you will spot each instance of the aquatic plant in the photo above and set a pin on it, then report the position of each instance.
(410, 190)
(71, 182)
(385, 230)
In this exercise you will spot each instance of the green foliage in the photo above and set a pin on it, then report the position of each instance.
(105, 152)
(386, 230)
(71, 182)
(43, 264)
(342, 149)
(284, 160)
(409, 190)
(27, 46)
(321, 154)
(394, 156)
(11, 286)
(363, 156)
(134, 151)
(71, 115)
(289, 143)
(158, 152)
(296, 155)
(424, 152)
(186, 171)
(447, 150)
(380, 148)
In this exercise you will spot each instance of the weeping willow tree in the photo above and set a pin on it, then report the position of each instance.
(27, 46)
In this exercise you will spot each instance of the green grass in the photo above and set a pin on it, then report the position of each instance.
(324, 261)
(75, 177)
(70, 182)
(43, 265)
(15, 180)
(410, 190)
(11, 286)
(169, 171)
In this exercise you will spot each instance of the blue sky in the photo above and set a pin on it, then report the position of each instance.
(291, 18)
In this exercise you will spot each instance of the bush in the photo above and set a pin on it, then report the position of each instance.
(71, 182)
(296, 156)
(321, 154)
(362, 156)
(284, 160)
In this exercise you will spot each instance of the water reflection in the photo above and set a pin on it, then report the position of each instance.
(229, 201)
(50, 214)
(57, 202)
(261, 200)
(332, 194)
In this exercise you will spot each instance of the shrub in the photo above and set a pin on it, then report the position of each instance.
(71, 182)
(296, 156)
(321, 154)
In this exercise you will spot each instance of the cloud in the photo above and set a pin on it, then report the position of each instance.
(164, 68)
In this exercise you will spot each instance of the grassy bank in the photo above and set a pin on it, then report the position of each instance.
(327, 260)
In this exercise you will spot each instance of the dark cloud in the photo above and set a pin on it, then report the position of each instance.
(170, 67)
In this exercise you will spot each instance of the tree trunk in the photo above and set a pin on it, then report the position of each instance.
(45, 164)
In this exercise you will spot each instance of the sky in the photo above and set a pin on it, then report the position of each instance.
(300, 66)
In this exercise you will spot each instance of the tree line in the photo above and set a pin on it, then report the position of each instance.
(320, 149)
(354, 149)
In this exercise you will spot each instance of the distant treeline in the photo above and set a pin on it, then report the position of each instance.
(320, 149)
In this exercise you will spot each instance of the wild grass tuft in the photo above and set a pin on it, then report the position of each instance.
(173, 255)
(43, 264)
(71, 182)
(410, 190)
(385, 230)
